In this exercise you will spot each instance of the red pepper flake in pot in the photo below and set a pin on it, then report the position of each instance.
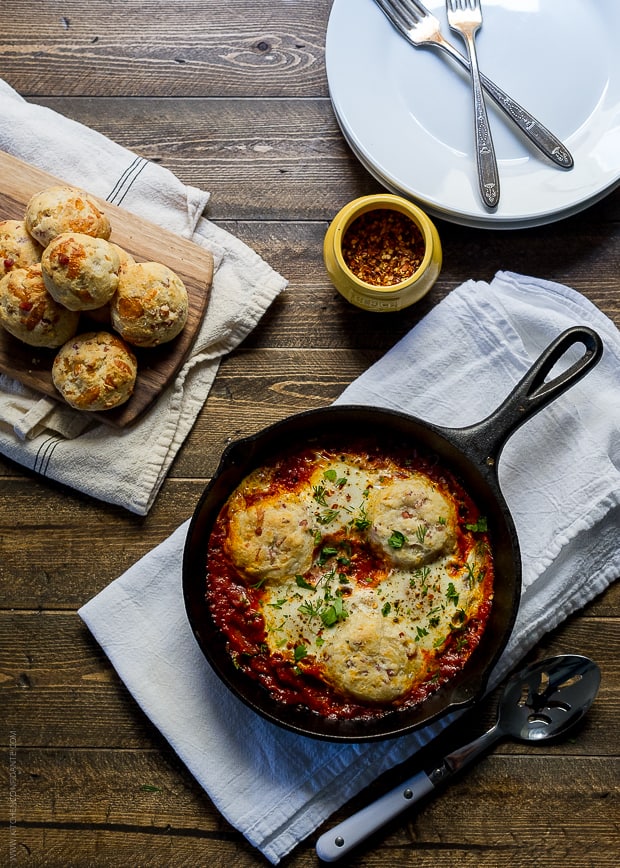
(383, 247)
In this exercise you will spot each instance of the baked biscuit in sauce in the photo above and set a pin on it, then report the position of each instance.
(416, 509)
(371, 658)
(59, 209)
(270, 540)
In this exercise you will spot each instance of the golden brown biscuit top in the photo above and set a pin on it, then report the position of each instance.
(151, 304)
(95, 371)
(80, 271)
(29, 313)
(17, 248)
(64, 209)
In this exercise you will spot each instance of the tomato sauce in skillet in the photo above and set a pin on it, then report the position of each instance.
(351, 582)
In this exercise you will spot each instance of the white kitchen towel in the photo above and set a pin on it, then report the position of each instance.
(127, 467)
(560, 475)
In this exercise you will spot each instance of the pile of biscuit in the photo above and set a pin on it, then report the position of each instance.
(57, 265)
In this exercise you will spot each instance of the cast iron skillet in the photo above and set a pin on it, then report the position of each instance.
(471, 453)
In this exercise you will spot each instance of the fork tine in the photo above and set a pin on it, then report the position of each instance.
(391, 12)
(399, 13)
(421, 10)
(409, 11)
(464, 5)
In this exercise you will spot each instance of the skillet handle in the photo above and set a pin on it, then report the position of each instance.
(486, 439)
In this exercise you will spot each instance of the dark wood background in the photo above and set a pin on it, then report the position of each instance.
(232, 97)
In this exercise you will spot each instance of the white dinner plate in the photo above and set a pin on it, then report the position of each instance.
(407, 111)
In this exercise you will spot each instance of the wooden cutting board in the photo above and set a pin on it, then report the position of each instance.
(146, 242)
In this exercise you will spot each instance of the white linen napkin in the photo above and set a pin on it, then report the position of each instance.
(560, 474)
(127, 467)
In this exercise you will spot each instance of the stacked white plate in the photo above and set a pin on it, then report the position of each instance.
(407, 111)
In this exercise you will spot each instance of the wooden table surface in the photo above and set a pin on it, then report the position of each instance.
(233, 98)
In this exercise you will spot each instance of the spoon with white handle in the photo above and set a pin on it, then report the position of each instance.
(540, 702)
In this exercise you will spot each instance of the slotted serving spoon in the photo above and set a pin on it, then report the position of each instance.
(540, 702)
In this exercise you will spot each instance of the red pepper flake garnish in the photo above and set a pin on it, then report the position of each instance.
(383, 247)
(9, 262)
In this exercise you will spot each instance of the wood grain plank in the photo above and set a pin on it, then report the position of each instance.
(122, 787)
(150, 47)
(312, 314)
(233, 98)
(143, 809)
(262, 159)
(85, 557)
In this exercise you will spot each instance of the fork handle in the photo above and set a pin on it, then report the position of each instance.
(488, 174)
(543, 138)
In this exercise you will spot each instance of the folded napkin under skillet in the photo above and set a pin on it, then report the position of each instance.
(560, 475)
(127, 467)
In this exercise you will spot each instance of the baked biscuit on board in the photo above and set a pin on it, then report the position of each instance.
(95, 371)
(59, 209)
(29, 313)
(18, 249)
(151, 304)
(80, 271)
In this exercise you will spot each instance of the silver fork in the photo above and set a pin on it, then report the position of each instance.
(465, 17)
(421, 28)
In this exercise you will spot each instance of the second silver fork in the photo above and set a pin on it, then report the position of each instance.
(465, 17)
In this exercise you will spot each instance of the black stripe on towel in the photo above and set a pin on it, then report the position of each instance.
(126, 181)
(44, 454)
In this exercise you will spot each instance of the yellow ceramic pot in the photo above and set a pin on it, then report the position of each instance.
(370, 296)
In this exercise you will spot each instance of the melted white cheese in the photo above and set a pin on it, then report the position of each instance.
(376, 635)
